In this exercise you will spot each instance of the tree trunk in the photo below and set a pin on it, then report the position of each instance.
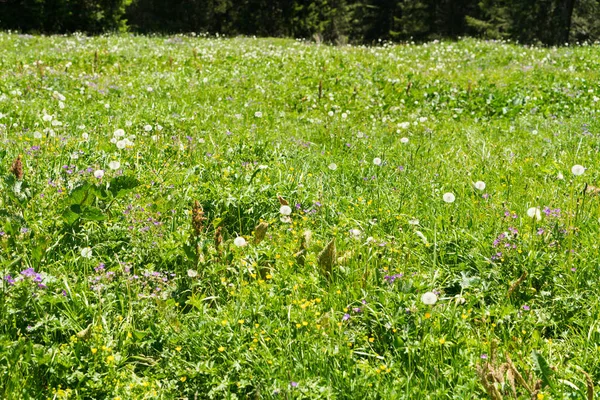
(563, 14)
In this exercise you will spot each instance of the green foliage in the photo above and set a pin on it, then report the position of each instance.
(52, 16)
(375, 283)
(332, 21)
(586, 21)
(547, 21)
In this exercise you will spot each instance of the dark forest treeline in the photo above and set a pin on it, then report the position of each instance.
(358, 21)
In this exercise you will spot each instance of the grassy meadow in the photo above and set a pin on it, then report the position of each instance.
(193, 218)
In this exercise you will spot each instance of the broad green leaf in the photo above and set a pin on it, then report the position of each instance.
(82, 194)
(70, 216)
(542, 369)
(120, 185)
(92, 214)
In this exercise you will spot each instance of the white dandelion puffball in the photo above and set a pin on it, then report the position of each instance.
(86, 252)
(449, 197)
(285, 210)
(191, 273)
(258, 114)
(429, 298)
(404, 140)
(377, 161)
(578, 170)
(114, 165)
(37, 135)
(99, 173)
(119, 133)
(534, 212)
(239, 241)
(479, 185)
(121, 144)
(85, 136)
(147, 128)
(47, 118)
(560, 176)
(355, 233)
(332, 166)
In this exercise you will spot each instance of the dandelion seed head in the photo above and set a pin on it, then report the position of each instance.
(86, 252)
(429, 298)
(119, 133)
(285, 210)
(191, 273)
(239, 241)
(449, 197)
(577, 170)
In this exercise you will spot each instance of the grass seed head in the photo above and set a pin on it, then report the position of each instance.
(218, 237)
(282, 201)
(327, 258)
(197, 218)
(260, 231)
(17, 168)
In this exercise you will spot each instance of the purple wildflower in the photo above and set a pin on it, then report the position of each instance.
(9, 279)
(391, 278)
(29, 273)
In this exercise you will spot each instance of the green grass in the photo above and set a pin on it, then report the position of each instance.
(126, 300)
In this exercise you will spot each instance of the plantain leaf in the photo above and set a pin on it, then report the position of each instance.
(92, 214)
(121, 185)
(542, 369)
